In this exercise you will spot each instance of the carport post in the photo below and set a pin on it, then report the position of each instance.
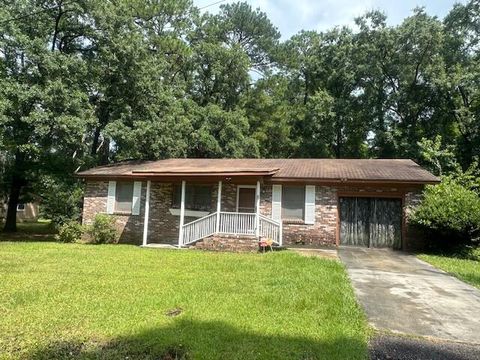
(219, 206)
(257, 210)
(182, 215)
(147, 211)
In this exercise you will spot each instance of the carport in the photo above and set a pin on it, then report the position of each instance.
(371, 221)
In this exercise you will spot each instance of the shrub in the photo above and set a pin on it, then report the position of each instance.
(60, 200)
(449, 210)
(70, 232)
(103, 230)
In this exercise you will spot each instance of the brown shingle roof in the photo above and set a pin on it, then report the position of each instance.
(388, 170)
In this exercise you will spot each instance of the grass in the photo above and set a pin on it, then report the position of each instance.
(41, 230)
(119, 301)
(464, 265)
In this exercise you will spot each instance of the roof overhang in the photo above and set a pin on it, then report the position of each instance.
(337, 182)
(205, 172)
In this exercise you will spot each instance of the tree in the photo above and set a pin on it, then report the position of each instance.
(238, 25)
(271, 117)
(437, 158)
(91, 82)
(140, 70)
(219, 133)
(462, 63)
(45, 109)
(449, 210)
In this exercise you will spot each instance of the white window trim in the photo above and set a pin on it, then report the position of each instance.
(243, 187)
(24, 206)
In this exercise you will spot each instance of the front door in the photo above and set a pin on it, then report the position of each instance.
(246, 200)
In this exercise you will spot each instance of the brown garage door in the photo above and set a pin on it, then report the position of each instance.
(371, 222)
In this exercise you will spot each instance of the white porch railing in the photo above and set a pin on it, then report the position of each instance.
(199, 229)
(232, 223)
(237, 223)
(270, 229)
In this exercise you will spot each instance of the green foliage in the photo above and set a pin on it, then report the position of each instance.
(436, 158)
(70, 232)
(449, 209)
(250, 29)
(89, 82)
(103, 230)
(61, 200)
(469, 178)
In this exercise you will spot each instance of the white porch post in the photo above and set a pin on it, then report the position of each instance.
(147, 211)
(182, 215)
(257, 210)
(280, 235)
(219, 206)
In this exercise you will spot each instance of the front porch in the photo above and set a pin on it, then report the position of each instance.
(249, 222)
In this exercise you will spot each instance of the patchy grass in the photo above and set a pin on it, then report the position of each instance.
(119, 301)
(41, 230)
(465, 264)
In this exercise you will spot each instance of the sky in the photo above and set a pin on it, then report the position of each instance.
(291, 16)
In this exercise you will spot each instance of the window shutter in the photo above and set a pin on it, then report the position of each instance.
(310, 204)
(277, 202)
(137, 191)
(112, 185)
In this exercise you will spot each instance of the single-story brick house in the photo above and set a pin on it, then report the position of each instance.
(234, 202)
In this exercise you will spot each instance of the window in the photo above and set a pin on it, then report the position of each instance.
(293, 202)
(20, 207)
(197, 197)
(123, 197)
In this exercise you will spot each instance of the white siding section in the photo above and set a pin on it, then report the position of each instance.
(112, 185)
(310, 204)
(277, 202)
(137, 191)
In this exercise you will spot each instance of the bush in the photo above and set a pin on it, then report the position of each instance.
(70, 232)
(103, 230)
(449, 210)
(60, 200)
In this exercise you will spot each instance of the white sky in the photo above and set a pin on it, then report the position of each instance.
(291, 16)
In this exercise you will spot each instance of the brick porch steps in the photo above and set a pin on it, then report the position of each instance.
(233, 243)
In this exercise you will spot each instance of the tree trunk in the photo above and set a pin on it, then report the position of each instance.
(13, 197)
(95, 142)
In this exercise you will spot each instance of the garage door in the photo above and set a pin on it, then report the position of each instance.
(371, 222)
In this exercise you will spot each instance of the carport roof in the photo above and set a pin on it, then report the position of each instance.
(333, 170)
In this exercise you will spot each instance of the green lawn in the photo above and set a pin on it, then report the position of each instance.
(119, 301)
(466, 268)
(41, 230)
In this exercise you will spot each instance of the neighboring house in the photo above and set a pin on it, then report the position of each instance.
(26, 212)
(233, 202)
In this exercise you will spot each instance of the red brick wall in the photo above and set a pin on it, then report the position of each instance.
(163, 226)
(323, 232)
(415, 239)
(130, 227)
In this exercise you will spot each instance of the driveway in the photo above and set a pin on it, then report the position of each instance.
(403, 294)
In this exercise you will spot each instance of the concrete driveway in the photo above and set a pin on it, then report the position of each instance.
(403, 294)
